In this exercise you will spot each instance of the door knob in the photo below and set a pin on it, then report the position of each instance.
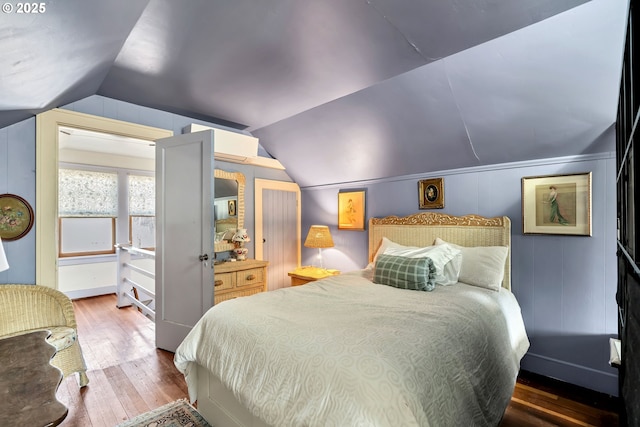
(204, 257)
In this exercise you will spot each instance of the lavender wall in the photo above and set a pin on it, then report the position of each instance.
(565, 284)
(18, 176)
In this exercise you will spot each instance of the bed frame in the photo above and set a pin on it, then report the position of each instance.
(421, 229)
(218, 404)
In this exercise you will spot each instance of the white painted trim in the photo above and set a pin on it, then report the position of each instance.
(46, 211)
(236, 147)
(267, 184)
(474, 169)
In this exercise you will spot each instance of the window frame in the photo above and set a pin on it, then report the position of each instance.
(121, 227)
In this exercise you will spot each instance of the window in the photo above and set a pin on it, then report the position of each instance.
(87, 210)
(91, 202)
(142, 220)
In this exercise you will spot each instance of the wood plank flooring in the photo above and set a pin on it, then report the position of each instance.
(129, 376)
(539, 401)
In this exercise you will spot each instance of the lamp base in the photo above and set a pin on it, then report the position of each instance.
(241, 253)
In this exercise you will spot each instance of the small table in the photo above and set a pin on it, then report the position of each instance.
(304, 275)
(28, 382)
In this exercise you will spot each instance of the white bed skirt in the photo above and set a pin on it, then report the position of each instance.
(219, 406)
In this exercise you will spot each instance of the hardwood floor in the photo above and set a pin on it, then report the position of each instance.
(129, 376)
(539, 401)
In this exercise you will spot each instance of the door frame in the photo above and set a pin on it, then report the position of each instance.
(46, 212)
(268, 184)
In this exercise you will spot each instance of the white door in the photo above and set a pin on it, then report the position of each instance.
(278, 229)
(184, 243)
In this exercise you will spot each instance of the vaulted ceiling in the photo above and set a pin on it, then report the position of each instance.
(337, 90)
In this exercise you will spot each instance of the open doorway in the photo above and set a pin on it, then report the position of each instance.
(48, 126)
(106, 196)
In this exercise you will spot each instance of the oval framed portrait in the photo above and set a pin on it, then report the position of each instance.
(431, 193)
(16, 217)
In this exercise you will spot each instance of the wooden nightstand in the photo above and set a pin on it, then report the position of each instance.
(304, 275)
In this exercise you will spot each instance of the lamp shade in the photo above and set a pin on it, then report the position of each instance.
(4, 265)
(319, 237)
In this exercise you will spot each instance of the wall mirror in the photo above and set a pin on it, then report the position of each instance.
(228, 207)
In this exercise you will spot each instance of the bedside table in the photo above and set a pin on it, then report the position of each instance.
(304, 275)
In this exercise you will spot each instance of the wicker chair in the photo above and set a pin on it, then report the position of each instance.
(28, 308)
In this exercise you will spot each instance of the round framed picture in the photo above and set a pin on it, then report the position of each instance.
(16, 217)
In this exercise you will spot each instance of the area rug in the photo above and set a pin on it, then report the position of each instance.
(174, 414)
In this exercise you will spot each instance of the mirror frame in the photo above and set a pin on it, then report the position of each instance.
(240, 179)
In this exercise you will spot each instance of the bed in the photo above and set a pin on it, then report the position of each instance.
(345, 351)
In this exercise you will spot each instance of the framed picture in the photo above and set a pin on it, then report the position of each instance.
(557, 204)
(431, 193)
(16, 217)
(351, 210)
(232, 207)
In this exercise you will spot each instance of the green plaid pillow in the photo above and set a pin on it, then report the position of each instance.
(405, 273)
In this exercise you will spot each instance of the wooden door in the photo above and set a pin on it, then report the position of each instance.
(184, 242)
(278, 229)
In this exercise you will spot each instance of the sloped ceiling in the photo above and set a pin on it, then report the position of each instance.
(338, 91)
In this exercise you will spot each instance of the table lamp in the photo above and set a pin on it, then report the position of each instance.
(4, 265)
(319, 237)
(239, 239)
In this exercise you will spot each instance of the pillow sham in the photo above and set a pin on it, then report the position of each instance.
(482, 266)
(405, 273)
(446, 259)
(384, 244)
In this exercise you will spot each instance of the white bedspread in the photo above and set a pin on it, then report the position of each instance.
(346, 352)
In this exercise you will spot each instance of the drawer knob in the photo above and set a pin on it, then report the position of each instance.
(217, 283)
(251, 277)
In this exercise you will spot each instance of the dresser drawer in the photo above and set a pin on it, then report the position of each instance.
(224, 281)
(238, 293)
(239, 279)
(249, 277)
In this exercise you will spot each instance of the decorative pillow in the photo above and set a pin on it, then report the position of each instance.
(482, 266)
(405, 273)
(446, 259)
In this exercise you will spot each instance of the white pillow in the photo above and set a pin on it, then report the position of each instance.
(482, 266)
(443, 257)
(386, 243)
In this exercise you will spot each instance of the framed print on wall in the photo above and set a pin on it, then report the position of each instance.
(557, 204)
(351, 210)
(431, 193)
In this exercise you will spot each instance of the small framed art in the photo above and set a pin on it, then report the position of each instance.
(16, 217)
(557, 204)
(431, 193)
(351, 210)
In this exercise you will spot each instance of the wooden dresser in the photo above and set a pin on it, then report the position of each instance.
(239, 279)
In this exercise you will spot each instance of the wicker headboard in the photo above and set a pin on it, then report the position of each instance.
(421, 229)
